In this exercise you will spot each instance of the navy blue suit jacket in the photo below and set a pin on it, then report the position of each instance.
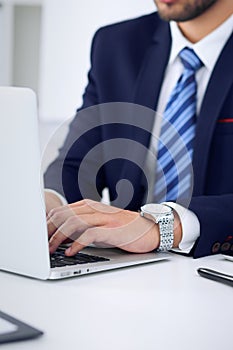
(128, 64)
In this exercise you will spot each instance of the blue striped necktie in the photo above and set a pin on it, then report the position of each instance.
(175, 146)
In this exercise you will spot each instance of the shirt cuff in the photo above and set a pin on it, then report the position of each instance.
(62, 199)
(190, 227)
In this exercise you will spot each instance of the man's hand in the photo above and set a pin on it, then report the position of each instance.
(51, 201)
(87, 222)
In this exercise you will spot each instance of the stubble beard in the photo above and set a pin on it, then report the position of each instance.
(187, 12)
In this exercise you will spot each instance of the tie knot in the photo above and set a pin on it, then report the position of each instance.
(190, 60)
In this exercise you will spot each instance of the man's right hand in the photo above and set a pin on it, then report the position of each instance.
(51, 201)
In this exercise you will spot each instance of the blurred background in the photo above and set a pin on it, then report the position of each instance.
(45, 45)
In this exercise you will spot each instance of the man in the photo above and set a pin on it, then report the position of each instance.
(138, 61)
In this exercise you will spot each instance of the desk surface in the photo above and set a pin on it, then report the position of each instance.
(164, 305)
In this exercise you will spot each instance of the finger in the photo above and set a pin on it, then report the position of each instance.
(83, 202)
(57, 217)
(55, 241)
(82, 209)
(58, 210)
(75, 248)
(88, 237)
(51, 228)
(79, 223)
(85, 206)
(89, 206)
(72, 228)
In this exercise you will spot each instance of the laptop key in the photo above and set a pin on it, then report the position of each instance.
(58, 264)
(59, 259)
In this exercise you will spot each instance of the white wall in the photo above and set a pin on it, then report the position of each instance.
(18, 23)
(67, 29)
(26, 48)
(6, 46)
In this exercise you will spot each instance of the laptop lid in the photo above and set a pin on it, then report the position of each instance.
(23, 234)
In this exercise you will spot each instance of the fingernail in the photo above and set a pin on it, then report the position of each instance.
(68, 251)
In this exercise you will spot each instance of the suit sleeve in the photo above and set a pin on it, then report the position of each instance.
(215, 214)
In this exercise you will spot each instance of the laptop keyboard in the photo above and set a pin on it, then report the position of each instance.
(58, 259)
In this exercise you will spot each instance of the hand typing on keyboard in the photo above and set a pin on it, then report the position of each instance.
(87, 222)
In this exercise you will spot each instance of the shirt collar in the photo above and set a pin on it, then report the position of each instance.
(215, 42)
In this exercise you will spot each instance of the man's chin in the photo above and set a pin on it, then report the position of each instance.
(169, 10)
(182, 11)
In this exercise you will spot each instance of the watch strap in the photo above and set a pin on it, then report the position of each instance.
(166, 225)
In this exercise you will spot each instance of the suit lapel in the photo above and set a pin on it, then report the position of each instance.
(151, 73)
(146, 94)
(218, 87)
(150, 79)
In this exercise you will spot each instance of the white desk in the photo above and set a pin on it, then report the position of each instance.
(162, 306)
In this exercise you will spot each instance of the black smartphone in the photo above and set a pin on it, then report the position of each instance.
(216, 276)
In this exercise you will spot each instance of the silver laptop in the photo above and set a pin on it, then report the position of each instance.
(23, 234)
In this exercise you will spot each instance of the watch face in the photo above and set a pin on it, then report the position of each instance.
(156, 209)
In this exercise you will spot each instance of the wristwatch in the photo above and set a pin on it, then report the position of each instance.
(162, 215)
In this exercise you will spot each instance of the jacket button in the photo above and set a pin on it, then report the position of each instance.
(215, 247)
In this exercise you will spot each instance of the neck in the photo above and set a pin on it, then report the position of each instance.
(197, 28)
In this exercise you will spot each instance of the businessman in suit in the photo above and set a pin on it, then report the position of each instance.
(137, 61)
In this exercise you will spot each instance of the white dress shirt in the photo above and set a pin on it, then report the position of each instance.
(208, 50)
